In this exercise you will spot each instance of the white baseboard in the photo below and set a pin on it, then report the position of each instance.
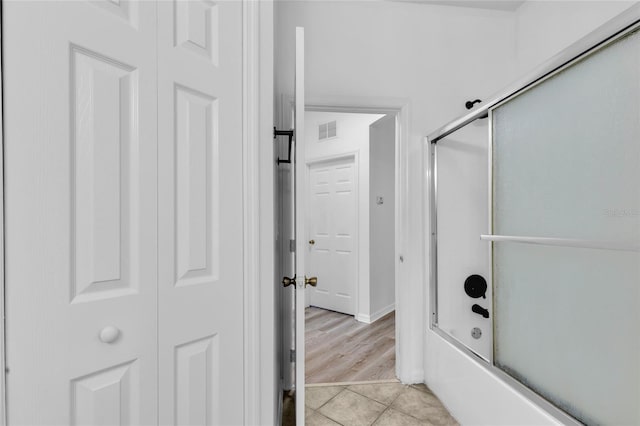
(368, 319)
(363, 318)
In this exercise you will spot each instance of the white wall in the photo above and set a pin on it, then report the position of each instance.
(382, 138)
(352, 138)
(428, 59)
(544, 28)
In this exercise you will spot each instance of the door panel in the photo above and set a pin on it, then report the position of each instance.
(332, 228)
(104, 97)
(80, 176)
(200, 212)
(107, 397)
(197, 372)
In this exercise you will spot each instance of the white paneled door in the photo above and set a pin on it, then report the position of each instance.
(200, 212)
(332, 234)
(123, 271)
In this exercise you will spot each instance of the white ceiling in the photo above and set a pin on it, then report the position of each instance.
(509, 5)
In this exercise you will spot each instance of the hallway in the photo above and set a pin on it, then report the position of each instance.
(341, 349)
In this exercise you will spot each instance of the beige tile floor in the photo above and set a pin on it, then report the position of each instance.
(379, 404)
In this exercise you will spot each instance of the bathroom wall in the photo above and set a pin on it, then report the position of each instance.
(544, 28)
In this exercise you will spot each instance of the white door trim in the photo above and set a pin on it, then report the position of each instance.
(404, 302)
(355, 155)
(3, 379)
(260, 393)
(250, 137)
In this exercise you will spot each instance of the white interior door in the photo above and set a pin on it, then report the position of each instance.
(80, 176)
(332, 237)
(200, 307)
(123, 245)
(300, 229)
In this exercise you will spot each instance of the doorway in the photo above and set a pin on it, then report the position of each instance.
(333, 233)
(350, 314)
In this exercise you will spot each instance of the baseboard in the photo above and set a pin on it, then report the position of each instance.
(363, 318)
(368, 319)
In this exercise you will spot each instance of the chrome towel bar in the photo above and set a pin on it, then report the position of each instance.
(565, 242)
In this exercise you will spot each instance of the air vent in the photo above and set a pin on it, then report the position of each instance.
(327, 130)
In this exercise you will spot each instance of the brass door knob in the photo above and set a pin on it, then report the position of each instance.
(312, 242)
(286, 281)
(313, 281)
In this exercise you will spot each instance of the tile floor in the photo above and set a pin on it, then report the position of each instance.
(379, 404)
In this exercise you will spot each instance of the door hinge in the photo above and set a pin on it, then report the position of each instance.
(292, 355)
(292, 246)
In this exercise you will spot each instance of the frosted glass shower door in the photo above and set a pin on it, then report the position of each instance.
(566, 177)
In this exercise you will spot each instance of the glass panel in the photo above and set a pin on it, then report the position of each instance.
(567, 326)
(463, 203)
(567, 153)
(566, 164)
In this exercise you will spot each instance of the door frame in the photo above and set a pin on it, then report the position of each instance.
(260, 382)
(3, 378)
(356, 162)
(404, 303)
(258, 260)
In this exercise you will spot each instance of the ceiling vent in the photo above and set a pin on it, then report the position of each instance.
(327, 130)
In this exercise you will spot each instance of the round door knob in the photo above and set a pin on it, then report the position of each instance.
(109, 334)
(312, 242)
(286, 281)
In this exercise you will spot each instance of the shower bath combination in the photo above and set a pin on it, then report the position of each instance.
(516, 220)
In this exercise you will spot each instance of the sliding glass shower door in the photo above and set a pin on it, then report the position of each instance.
(566, 235)
(463, 260)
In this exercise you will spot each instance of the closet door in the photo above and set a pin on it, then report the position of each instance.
(200, 212)
(80, 176)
